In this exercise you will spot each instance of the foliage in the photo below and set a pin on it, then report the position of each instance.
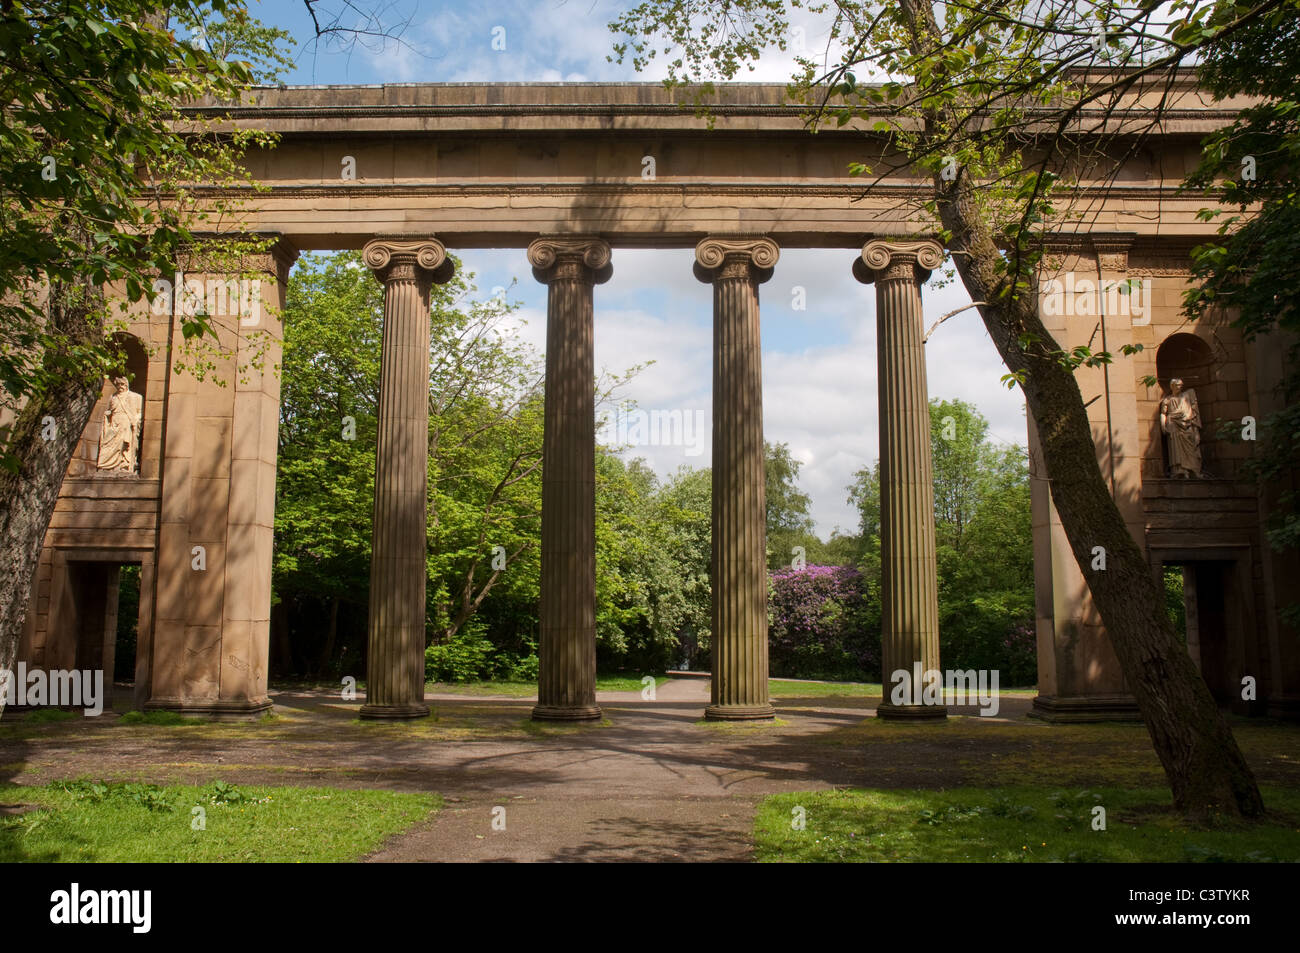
(97, 155)
(128, 620)
(820, 625)
(1175, 600)
(326, 458)
(485, 455)
(149, 796)
(470, 656)
(652, 558)
(984, 544)
(484, 458)
(788, 521)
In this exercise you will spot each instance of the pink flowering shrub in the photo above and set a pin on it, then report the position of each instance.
(822, 624)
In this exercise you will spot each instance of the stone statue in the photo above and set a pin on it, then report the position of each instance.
(119, 439)
(1180, 418)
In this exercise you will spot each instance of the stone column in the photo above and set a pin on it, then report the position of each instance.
(909, 582)
(566, 681)
(395, 666)
(735, 268)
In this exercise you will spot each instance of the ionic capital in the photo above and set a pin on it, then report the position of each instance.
(719, 258)
(395, 259)
(887, 260)
(582, 258)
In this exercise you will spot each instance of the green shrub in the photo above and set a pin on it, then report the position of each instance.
(991, 631)
(467, 657)
(524, 669)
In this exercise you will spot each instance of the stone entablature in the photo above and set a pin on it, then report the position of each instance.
(496, 165)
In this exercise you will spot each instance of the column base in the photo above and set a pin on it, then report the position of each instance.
(566, 713)
(394, 712)
(912, 712)
(217, 710)
(1072, 709)
(739, 712)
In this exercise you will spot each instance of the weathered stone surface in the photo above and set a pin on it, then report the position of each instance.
(398, 573)
(566, 686)
(908, 569)
(500, 164)
(735, 267)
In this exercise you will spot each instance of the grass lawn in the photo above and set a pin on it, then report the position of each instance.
(780, 688)
(103, 821)
(604, 683)
(1013, 824)
(785, 688)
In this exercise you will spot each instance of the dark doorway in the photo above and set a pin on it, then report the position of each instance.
(128, 623)
(100, 617)
(1208, 630)
(93, 587)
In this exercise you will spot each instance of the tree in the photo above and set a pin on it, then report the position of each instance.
(988, 100)
(485, 438)
(984, 543)
(686, 507)
(788, 521)
(97, 157)
(485, 464)
(647, 573)
(325, 468)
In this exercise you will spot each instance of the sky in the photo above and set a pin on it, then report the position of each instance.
(819, 360)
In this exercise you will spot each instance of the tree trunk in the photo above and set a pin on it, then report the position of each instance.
(1206, 769)
(43, 439)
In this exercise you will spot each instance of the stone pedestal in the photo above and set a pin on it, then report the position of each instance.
(566, 681)
(909, 582)
(735, 268)
(395, 665)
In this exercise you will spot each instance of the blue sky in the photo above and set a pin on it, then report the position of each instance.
(819, 363)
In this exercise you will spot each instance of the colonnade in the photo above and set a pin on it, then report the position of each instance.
(571, 267)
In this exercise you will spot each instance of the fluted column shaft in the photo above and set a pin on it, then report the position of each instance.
(395, 663)
(566, 682)
(909, 579)
(736, 268)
